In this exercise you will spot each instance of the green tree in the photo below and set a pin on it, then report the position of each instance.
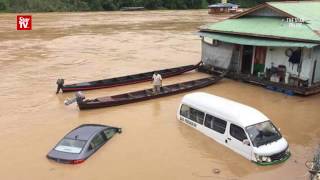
(109, 5)
(3, 6)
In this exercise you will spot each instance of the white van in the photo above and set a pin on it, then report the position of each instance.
(243, 129)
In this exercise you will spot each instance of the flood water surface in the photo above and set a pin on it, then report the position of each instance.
(154, 144)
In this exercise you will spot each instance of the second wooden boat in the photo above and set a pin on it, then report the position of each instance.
(125, 80)
(144, 94)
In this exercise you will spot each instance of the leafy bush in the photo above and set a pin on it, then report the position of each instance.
(2, 6)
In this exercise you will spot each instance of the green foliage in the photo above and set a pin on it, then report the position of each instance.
(3, 6)
(109, 5)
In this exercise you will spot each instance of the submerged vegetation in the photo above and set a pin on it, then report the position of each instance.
(108, 5)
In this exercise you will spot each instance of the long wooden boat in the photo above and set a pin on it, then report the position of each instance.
(125, 80)
(146, 94)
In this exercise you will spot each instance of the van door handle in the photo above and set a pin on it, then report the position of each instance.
(229, 139)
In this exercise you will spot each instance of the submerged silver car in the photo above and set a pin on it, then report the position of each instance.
(81, 143)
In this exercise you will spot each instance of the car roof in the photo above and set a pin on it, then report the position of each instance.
(85, 131)
(226, 109)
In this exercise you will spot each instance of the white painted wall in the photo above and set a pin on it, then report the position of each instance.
(278, 57)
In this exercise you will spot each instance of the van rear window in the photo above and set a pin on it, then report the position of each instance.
(192, 114)
(215, 124)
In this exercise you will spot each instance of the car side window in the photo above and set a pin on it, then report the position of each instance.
(97, 141)
(109, 133)
(237, 132)
(215, 124)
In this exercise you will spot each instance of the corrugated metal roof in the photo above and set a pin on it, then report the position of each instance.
(255, 41)
(275, 27)
(271, 27)
(306, 10)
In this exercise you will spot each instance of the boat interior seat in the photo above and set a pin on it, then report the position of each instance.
(149, 92)
(165, 88)
(183, 85)
(130, 95)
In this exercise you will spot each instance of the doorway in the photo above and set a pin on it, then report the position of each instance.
(259, 59)
(246, 63)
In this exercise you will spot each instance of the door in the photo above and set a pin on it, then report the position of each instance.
(259, 59)
(96, 142)
(215, 128)
(235, 140)
(246, 62)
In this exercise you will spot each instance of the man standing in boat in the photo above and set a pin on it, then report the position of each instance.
(60, 83)
(157, 82)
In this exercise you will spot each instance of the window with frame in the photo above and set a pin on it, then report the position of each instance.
(237, 132)
(185, 111)
(192, 114)
(97, 141)
(196, 116)
(109, 133)
(215, 124)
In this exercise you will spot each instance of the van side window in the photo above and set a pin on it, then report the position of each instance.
(196, 116)
(185, 111)
(237, 132)
(192, 114)
(216, 124)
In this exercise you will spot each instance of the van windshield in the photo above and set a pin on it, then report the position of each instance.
(263, 133)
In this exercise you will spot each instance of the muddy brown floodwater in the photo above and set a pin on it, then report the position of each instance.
(153, 145)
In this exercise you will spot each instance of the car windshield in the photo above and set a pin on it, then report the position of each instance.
(70, 145)
(263, 133)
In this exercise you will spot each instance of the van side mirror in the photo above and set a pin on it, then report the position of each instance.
(246, 142)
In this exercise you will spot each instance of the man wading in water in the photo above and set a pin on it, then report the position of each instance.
(157, 82)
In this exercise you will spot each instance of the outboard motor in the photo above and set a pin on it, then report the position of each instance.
(60, 83)
(79, 97)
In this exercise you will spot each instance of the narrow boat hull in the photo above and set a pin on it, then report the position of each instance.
(147, 94)
(125, 80)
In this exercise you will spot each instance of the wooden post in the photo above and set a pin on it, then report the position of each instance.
(314, 70)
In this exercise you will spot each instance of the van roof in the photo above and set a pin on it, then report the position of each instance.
(226, 109)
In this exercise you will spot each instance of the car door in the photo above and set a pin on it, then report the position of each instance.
(235, 140)
(96, 142)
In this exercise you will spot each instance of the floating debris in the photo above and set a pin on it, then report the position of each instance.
(216, 171)
(314, 166)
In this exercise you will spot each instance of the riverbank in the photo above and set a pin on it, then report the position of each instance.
(28, 6)
(95, 5)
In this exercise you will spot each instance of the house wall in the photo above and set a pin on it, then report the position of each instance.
(266, 12)
(278, 57)
(218, 55)
(316, 57)
(218, 10)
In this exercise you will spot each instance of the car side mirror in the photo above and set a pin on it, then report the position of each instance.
(246, 142)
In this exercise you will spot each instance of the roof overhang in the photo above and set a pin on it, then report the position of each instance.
(255, 41)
